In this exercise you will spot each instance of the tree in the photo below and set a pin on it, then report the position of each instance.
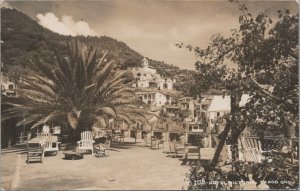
(264, 64)
(80, 89)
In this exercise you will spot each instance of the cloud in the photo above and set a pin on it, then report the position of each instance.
(65, 26)
(3, 3)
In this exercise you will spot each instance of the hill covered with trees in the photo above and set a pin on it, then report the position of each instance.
(24, 40)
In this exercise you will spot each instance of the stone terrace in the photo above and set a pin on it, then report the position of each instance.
(128, 167)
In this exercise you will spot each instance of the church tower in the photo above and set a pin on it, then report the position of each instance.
(145, 63)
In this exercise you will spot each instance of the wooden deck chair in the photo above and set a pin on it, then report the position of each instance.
(86, 142)
(166, 147)
(121, 138)
(172, 151)
(106, 147)
(57, 130)
(34, 152)
(147, 142)
(46, 129)
(160, 144)
(252, 149)
(51, 145)
(179, 151)
(101, 149)
(192, 155)
(155, 144)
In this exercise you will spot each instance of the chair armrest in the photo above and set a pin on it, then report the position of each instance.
(274, 150)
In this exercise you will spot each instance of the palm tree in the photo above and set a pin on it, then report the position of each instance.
(80, 89)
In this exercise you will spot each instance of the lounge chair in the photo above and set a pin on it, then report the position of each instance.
(34, 152)
(172, 151)
(252, 149)
(166, 147)
(101, 149)
(46, 129)
(192, 155)
(51, 145)
(57, 130)
(147, 142)
(86, 142)
(179, 150)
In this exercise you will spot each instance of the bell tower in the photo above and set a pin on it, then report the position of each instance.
(145, 63)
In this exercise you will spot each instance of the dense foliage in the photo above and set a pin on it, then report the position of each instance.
(259, 59)
(80, 89)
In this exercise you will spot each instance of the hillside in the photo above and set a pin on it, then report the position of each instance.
(24, 39)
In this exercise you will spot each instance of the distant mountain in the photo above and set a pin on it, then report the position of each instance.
(24, 39)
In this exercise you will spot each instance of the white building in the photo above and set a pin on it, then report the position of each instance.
(155, 98)
(220, 105)
(147, 77)
(8, 88)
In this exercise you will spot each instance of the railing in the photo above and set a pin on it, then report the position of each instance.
(277, 142)
(271, 142)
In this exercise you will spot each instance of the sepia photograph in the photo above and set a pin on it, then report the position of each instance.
(149, 95)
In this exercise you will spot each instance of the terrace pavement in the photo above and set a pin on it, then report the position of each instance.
(129, 166)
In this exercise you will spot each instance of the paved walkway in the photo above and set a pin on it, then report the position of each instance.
(128, 167)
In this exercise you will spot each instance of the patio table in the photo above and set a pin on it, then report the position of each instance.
(74, 155)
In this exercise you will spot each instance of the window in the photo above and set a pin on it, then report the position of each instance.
(145, 96)
(218, 114)
(10, 86)
(165, 85)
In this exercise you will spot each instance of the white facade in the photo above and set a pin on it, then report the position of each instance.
(220, 106)
(7, 87)
(147, 77)
(155, 98)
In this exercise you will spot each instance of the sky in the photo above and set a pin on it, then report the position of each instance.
(151, 28)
